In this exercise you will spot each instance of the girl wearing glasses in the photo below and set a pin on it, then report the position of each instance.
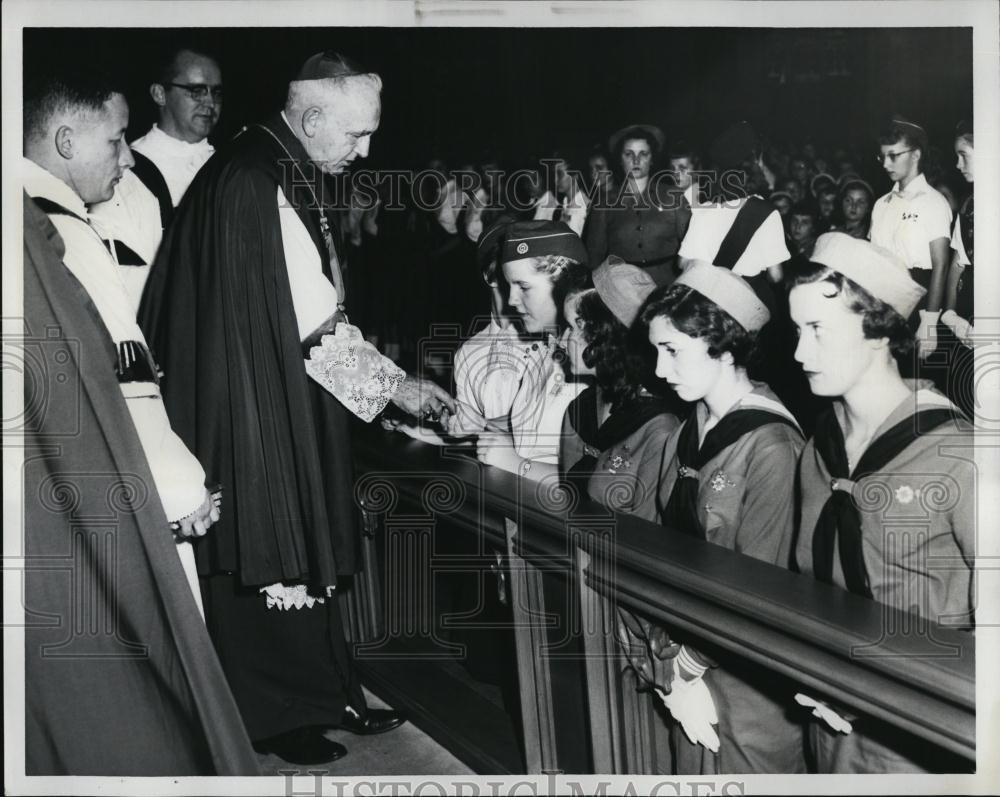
(913, 221)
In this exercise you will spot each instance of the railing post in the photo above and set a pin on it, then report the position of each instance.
(528, 607)
(627, 734)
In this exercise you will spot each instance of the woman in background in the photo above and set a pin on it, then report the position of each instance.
(646, 227)
(562, 198)
(855, 206)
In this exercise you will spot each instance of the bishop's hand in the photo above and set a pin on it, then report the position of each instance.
(424, 399)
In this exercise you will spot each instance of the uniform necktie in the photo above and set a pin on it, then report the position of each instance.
(681, 511)
(839, 522)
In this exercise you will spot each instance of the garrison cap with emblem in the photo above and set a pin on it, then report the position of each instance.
(622, 287)
(729, 291)
(875, 269)
(488, 245)
(538, 238)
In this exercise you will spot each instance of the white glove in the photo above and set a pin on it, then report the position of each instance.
(691, 704)
(927, 333)
(825, 713)
(958, 325)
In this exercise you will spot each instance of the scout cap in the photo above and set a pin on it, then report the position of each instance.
(488, 245)
(538, 238)
(623, 288)
(729, 291)
(875, 269)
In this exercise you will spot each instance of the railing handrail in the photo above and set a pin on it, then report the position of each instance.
(816, 633)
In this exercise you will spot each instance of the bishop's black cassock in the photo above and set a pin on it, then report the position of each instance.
(218, 314)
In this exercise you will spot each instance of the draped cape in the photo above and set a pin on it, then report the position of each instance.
(121, 677)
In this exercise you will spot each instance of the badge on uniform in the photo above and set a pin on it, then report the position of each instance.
(720, 481)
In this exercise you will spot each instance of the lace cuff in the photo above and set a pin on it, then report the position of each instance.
(354, 372)
(283, 597)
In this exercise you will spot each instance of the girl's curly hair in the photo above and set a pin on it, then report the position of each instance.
(621, 357)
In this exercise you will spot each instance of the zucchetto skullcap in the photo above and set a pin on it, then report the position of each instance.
(329, 64)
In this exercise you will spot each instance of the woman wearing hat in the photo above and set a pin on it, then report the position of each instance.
(542, 262)
(728, 478)
(614, 431)
(645, 223)
(913, 221)
(889, 454)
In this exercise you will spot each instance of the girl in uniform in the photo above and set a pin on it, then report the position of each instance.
(542, 262)
(888, 454)
(913, 221)
(728, 478)
(613, 433)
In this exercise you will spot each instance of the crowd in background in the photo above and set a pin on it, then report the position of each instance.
(413, 268)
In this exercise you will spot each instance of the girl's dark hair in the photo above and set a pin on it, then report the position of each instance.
(698, 316)
(852, 185)
(878, 320)
(616, 353)
(636, 134)
(964, 130)
(911, 134)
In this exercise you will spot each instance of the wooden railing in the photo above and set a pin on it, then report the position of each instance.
(913, 674)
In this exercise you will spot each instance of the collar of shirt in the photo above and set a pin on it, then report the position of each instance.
(923, 397)
(760, 398)
(41, 182)
(916, 187)
(175, 147)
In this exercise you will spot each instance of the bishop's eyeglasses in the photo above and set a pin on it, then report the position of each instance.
(199, 91)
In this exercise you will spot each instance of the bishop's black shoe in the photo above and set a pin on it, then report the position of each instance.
(376, 720)
(302, 746)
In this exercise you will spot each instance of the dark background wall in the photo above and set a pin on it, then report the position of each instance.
(524, 91)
